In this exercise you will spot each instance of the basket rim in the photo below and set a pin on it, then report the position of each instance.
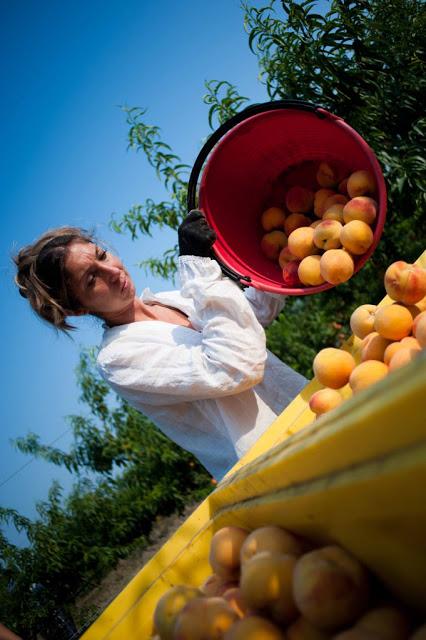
(248, 275)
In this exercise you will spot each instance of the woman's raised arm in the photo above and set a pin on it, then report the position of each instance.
(228, 357)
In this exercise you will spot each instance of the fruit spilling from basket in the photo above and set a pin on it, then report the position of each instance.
(386, 338)
(316, 236)
(269, 584)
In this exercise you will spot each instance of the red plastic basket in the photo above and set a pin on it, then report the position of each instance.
(275, 143)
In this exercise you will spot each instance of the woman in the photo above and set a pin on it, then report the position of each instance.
(194, 361)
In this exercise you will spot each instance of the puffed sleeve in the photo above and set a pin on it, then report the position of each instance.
(229, 356)
(266, 306)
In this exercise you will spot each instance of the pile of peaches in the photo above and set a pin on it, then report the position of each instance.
(313, 252)
(386, 338)
(269, 584)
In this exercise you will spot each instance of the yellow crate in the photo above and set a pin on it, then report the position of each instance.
(354, 477)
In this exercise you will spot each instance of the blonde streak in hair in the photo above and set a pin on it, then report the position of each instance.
(34, 290)
(41, 299)
(23, 290)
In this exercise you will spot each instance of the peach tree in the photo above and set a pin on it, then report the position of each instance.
(364, 61)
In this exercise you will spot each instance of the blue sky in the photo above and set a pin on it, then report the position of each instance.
(66, 68)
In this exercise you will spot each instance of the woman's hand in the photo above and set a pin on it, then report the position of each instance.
(195, 236)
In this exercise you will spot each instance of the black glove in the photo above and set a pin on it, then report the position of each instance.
(195, 236)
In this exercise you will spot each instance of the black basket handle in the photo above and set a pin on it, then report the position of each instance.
(246, 113)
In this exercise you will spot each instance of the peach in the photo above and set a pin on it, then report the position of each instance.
(294, 221)
(299, 199)
(337, 266)
(254, 628)
(389, 623)
(315, 224)
(273, 218)
(420, 330)
(343, 186)
(373, 347)
(309, 271)
(266, 584)
(356, 237)
(411, 343)
(390, 351)
(326, 175)
(360, 208)
(330, 587)
(418, 319)
(324, 400)
(335, 212)
(301, 242)
(319, 199)
(204, 619)
(215, 585)
(393, 322)
(285, 256)
(169, 606)
(422, 304)
(337, 198)
(332, 367)
(234, 598)
(414, 309)
(366, 374)
(290, 274)
(272, 243)
(270, 538)
(402, 357)
(327, 235)
(225, 550)
(302, 629)
(362, 320)
(360, 182)
(405, 282)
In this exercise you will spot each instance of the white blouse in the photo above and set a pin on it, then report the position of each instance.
(214, 388)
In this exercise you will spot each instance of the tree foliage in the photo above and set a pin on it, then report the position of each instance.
(128, 473)
(364, 61)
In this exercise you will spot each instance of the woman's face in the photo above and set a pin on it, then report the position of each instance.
(99, 280)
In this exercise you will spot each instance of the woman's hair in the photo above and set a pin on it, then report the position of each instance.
(42, 277)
